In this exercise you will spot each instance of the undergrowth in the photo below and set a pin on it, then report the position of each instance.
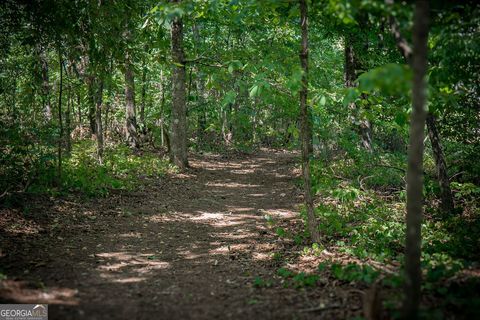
(122, 168)
(360, 206)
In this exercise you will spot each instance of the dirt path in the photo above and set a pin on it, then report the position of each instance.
(186, 246)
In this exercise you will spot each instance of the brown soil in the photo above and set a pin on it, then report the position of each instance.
(184, 246)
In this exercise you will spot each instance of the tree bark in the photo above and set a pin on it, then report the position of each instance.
(179, 115)
(130, 112)
(306, 131)
(351, 67)
(144, 96)
(47, 108)
(447, 204)
(162, 112)
(60, 122)
(415, 163)
(68, 120)
(92, 104)
(98, 120)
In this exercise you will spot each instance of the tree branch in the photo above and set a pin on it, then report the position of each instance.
(402, 44)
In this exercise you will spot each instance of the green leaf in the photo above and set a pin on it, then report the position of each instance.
(254, 91)
(322, 101)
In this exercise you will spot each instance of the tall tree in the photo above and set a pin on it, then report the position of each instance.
(130, 112)
(47, 108)
(60, 120)
(305, 122)
(415, 162)
(179, 108)
(98, 119)
(447, 205)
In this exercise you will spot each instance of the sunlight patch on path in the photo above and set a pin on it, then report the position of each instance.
(123, 267)
(232, 185)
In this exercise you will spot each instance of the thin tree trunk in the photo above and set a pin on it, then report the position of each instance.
(200, 90)
(130, 112)
(162, 111)
(14, 110)
(306, 126)
(68, 125)
(107, 118)
(415, 163)
(351, 66)
(79, 107)
(144, 95)
(447, 204)
(179, 115)
(60, 121)
(92, 104)
(98, 120)
(47, 108)
(254, 121)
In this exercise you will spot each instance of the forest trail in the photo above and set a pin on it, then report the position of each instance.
(186, 246)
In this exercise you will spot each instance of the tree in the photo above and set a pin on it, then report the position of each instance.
(130, 110)
(98, 119)
(415, 162)
(60, 120)
(351, 66)
(447, 205)
(47, 109)
(179, 109)
(305, 122)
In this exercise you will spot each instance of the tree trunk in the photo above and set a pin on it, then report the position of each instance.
(415, 163)
(351, 66)
(306, 131)
(200, 91)
(92, 104)
(98, 120)
(68, 124)
(47, 108)
(79, 107)
(130, 112)
(60, 121)
(144, 96)
(350, 63)
(162, 111)
(447, 204)
(179, 115)
(107, 118)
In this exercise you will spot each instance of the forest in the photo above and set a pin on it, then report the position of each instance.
(240, 159)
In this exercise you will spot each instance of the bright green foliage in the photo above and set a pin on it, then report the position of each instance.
(354, 272)
(122, 170)
(262, 283)
(297, 280)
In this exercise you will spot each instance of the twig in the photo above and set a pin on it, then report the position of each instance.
(4, 193)
(456, 174)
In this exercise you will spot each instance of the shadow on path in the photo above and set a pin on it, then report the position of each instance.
(186, 246)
